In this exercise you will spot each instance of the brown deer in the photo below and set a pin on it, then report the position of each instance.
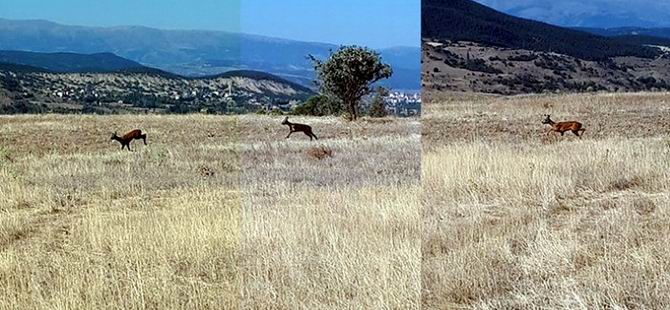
(127, 138)
(294, 127)
(562, 127)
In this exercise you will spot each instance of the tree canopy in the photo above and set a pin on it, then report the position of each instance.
(348, 75)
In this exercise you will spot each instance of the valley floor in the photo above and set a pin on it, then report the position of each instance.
(216, 212)
(516, 219)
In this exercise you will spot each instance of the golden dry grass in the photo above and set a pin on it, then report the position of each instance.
(216, 212)
(85, 225)
(337, 233)
(513, 220)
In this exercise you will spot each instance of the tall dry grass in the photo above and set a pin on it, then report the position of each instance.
(215, 213)
(86, 226)
(338, 232)
(513, 220)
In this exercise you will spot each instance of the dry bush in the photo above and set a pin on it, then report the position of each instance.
(319, 152)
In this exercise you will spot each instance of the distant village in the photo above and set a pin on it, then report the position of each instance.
(397, 103)
(403, 104)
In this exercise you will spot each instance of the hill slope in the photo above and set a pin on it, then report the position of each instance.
(469, 47)
(77, 83)
(193, 52)
(466, 20)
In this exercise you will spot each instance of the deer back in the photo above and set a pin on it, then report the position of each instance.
(565, 126)
(132, 134)
(301, 127)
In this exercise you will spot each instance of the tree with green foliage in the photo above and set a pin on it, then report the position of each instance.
(319, 105)
(378, 107)
(349, 73)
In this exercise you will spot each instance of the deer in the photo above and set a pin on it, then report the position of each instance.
(295, 127)
(562, 127)
(130, 136)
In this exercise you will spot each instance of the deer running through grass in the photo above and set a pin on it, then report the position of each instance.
(295, 127)
(562, 127)
(129, 137)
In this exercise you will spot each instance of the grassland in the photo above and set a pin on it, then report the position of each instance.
(215, 213)
(516, 219)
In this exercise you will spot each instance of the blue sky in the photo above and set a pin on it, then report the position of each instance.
(375, 23)
(589, 13)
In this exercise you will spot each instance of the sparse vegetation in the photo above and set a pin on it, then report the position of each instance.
(547, 72)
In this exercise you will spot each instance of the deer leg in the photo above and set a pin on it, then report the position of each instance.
(308, 134)
(314, 135)
(289, 134)
(144, 139)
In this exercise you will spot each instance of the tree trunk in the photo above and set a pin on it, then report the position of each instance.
(353, 111)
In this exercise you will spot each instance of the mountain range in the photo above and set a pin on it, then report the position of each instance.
(194, 52)
(73, 63)
(588, 13)
(627, 31)
(470, 47)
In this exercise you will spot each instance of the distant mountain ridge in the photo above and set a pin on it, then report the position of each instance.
(621, 31)
(466, 20)
(194, 52)
(73, 62)
(635, 35)
(589, 13)
(34, 62)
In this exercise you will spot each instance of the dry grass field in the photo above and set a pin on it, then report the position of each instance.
(215, 213)
(339, 232)
(515, 219)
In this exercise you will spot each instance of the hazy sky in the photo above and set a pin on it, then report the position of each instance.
(589, 13)
(376, 23)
